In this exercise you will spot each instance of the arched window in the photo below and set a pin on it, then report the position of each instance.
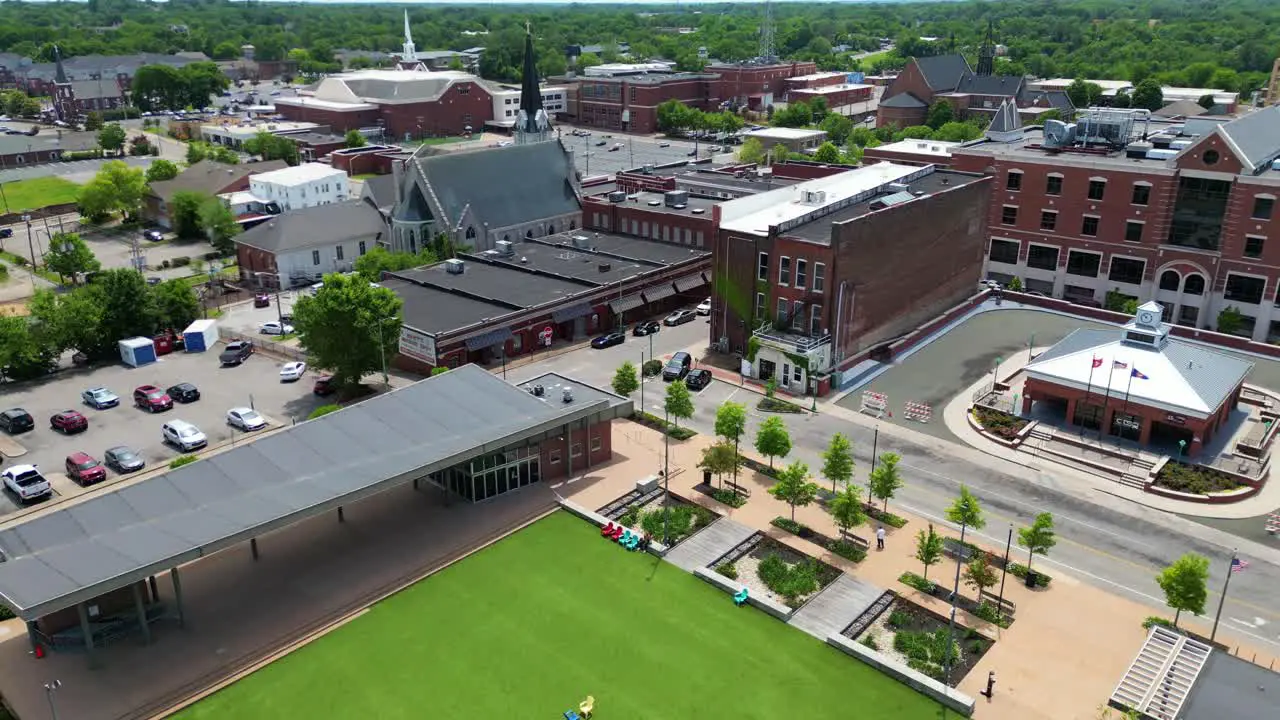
(413, 243)
(551, 228)
(1170, 280)
(471, 232)
(573, 225)
(528, 234)
(1193, 285)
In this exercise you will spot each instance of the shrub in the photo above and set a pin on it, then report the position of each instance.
(976, 647)
(180, 261)
(676, 521)
(182, 460)
(1153, 620)
(1195, 479)
(776, 405)
(934, 671)
(729, 497)
(323, 410)
(898, 619)
(1000, 424)
(4, 272)
(917, 582)
(212, 255)
(6, 613)
(702, 517)
(987, 611)
(871, 641)
(728, 570)
(792, 583)
(651, 368)
(847, 550)
(164, 264)
(1019, 570)
(887, 518)
(791, 526)
(630, 516)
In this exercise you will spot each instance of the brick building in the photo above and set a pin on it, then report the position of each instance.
(927, 80)
(630, 103)
(912, 152)
(404, 103)
(809, 276)
(206, 178)
(1137, 383)
(45, 147)
(834, 96)
(1186, 218)
(756, 85)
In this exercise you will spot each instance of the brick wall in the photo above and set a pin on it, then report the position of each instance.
(600, 214)
(555, 455)
(909, 80)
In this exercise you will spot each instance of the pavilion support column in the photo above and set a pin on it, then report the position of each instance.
(1071, 411)
(1144, 436)
(155, 591)
(568, 451)
(341, 516)
(32, 637)
(253, 547)
(177, 597)
(87, 631)
(141, 606)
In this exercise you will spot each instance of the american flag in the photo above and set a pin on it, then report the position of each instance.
(1238, 565)
(1117, 365)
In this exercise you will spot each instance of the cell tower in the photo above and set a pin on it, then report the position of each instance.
(767, 52)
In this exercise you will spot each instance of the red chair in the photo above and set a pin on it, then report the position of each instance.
(617, 532)
(607, 530)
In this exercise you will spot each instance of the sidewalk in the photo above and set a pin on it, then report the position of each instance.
(1061, 658)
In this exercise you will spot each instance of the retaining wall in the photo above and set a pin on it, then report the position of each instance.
(920, 682)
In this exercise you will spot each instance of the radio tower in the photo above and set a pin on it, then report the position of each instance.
(767, 54)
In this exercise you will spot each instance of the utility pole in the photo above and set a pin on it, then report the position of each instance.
(666, 474)
(1231, 568)
(951, 625)
(31, 248)
(1007, 547)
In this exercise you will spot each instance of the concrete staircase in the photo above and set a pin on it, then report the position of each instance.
(839, 604)
(1135, 476)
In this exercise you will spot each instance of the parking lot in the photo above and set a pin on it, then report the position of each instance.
(255, 383)
(244, 318)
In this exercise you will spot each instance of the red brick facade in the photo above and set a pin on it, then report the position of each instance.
(845, 96)
(591, 446)
(748, 84)
(632, 218)
(462, 104)
(631, 104)
(910, 80)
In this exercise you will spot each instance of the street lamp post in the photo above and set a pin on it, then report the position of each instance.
(49, 689)
(31, 248)
(382, 351)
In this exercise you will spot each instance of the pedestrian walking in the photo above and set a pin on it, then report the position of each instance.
(991, 684)
(880, 538)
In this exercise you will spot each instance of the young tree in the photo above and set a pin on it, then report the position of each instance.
(176, 304)
(837, 461)
(1148, 95)
(752, 151)
(779, 154)
(720, 459)
(68, 256)
(184, 213)
(827, 152)
(625, 380)
(794, 487)
(161, 170)
(1039, 538)
(928, 548)
(354, 139)
(885, 479)
(678, 403)
(837, 128)
(940, 113)
(966, 512)
(112, 137)
(1185, 584)
(772, 439)
(1207, 101)
(1230, 320)
(219, 225)
(93, 121)
(731, 424)
(979, 575)
(348, 326)
(846, 508)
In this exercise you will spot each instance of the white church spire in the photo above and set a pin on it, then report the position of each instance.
(410, 52)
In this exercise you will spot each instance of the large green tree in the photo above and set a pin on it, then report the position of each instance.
(349, 326)
(112, 137)
(117, 188)
(772, 439)
(378, 260)
(176, 304)
(184, 213)
(1185, 585)
(219, 225)
(69, 256)
(794, 487)
(966, 512)
(161, 170)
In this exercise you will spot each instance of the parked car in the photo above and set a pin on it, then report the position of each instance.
(16, 420)
(85, 468)
(152, 398)
(100, 398)
(236, 352)
(153, 235)
(68, 422)
(275, 328)
(664, 144)
(26, 482)
(6, 233)
(246, 419)
(679, 317)
(615, 148)
(692, 153)
(677, 367)
(697, 379)
(646, 327)
(704, 307)
(324, 386)
(292, 371)
(261, 300)
(184, 393)
(123, 459)
(183, 435)
(608, 340)
(601, 143)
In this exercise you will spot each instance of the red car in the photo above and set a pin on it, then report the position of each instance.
(84, 469)
(69, 421)
(150, 397)
(324, 386)
(261, 300)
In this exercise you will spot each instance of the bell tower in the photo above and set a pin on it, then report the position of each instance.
(64, 97)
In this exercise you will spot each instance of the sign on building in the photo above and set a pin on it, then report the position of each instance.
(418, 346)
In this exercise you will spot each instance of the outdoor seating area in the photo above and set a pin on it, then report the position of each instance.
(104, 630)
(625, 537)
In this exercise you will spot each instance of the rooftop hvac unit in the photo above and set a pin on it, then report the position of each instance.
(617, 196)
(648, 169)
(813, 197)
(567, 396)
(1058, 134)
(537, 390)
(505, 248)
(899, 187)
(581, 241)
(605, 267)
(454, 266)
(676, 197)
(1179, 144)
(1137, 150)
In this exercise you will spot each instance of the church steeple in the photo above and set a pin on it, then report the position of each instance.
(410, 52)
(987, 53)
(64, 98)
(532, 123)
(60, 74)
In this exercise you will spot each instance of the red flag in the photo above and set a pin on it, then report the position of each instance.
(1097, 362)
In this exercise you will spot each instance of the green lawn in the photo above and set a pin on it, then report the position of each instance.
(38, 192)
(530, 626)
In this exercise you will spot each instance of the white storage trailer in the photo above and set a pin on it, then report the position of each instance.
(200, 335)
(137, 351)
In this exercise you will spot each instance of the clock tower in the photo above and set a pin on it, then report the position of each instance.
(1147, 328)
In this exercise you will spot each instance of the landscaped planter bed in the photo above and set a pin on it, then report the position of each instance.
(685, 518)
(1194, 479)
(772, 563)
(985, 610)
(917, 638)
(1001, 424)
(846, 549)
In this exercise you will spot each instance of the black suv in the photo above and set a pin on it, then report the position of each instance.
(184, 393)
(16, 420)
(677, 367)
(236, 352)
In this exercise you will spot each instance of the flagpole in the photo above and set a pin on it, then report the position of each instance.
(1124, 409)
(1088, 390)
(1223, 599)
(1102, 422)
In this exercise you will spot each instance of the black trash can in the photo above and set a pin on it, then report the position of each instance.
(706, 477)
(1033, 578)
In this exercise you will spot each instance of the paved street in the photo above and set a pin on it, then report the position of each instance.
(77, 171)
(1109, 542)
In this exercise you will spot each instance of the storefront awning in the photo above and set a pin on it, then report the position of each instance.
(690, 283)
(655, 294)
(489, 339)
(571, 313)
(630, 302)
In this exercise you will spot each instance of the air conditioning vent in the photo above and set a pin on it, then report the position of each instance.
(605, 267)
(454, 266)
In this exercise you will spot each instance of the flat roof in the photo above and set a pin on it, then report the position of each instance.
(816, 76)
(306, 172)
(248, 130)
(83, 548)
(819, 230)
(756, 213)
(437, 311)
(306, 101)
(938, 148)
(829, 89)
(784, 133)
(645, 199)
(1029, 147)
(496, 283)
(1229, 688)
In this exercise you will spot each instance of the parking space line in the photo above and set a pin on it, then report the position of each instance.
(64, 486)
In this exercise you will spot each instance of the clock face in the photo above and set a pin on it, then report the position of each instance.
(1146, 318)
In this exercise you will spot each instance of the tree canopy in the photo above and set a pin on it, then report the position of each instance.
(349, 326)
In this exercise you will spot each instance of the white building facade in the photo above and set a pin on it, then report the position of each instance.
(307, 185)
